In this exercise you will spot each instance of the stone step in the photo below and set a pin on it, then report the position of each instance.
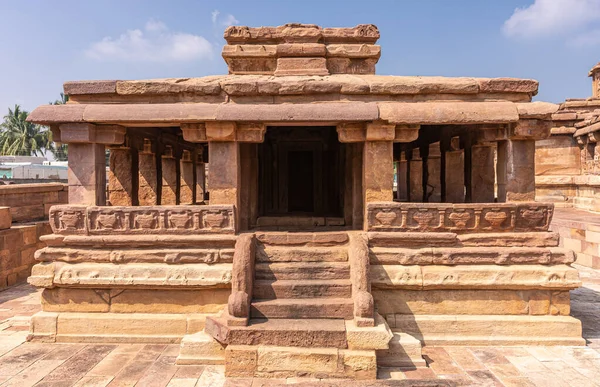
(295, 362)
(404, 352)
(313, 239)
(289, 308)
(200, 349)
(268, 289)
(290, 333)
(301, 254)
(302, 270)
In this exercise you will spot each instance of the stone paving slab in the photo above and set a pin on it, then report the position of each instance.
(40, 364)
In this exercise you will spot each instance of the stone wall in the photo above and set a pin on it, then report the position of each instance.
(23, 220)
(579, 231)
(31, 202)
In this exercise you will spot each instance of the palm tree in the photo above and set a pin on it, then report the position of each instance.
(21, 138)
(63, 100)
(60, 151)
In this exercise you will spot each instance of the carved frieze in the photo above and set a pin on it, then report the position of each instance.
(71, 220)
(459, 218)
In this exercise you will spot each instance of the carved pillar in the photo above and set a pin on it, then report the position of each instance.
(169, 177)
(186, 178)
(454, 174)
(87, 159)
(482, 173)
(200, 176)
(434, 180)
(415, 165)
(147, 175)
(120, 177)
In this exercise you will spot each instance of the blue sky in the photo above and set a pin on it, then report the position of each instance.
(44, 43)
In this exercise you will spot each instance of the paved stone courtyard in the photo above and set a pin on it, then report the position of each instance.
(28, 364)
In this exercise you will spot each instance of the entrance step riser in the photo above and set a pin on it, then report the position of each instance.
(292, 289)
(292, 310)
(298, 239)
(282, 271)
(306, 339)
(291, 254)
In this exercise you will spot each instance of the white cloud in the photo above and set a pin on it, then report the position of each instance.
(225, 21)
(546, 18)
(589, 38)
(156, 43)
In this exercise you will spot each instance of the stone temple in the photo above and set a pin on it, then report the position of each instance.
(256, 218)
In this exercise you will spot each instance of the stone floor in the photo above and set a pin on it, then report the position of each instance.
(28, 364)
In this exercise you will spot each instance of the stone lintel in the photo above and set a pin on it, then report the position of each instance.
(406, 133)
(90, 133)
(530, 129)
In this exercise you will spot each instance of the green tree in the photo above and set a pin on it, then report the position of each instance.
(21, 138)
(60, 151)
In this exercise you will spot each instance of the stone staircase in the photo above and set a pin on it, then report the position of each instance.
(301, 317)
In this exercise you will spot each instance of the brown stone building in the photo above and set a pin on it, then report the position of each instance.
(296, 257)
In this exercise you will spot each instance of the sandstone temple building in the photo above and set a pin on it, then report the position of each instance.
(298, 252)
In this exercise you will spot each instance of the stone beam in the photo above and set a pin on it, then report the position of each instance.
(448, 113)
(530, 129)
(89, 133)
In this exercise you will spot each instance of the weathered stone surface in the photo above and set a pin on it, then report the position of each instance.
(5, 218)
(90, 87)
(404, 352)
(448, 113)
(495, 85)
(540, 110)
(202, 349)
(301, 66)
(320, 308)
(376, 337)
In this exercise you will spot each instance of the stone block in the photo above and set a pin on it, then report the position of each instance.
(359, 364)
(43, 327)
(200, 349)
(5, 218)
(376, 337)
(297, 361)
(404, 352)
(301, 66)
(240, 361)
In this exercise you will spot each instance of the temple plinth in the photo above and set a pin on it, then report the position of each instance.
(344, 214)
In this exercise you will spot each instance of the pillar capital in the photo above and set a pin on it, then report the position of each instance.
(77, 133)
(530, 129)
(349, 132)
(223, 131)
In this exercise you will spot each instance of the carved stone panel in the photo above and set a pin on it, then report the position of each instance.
(68, 219)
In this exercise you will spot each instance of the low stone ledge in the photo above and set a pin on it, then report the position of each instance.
(471, 256)
(515, 277)
(90, 87)
(458, 218)
(411, 239)
(141, 275)
(517, 239)
(154, 240)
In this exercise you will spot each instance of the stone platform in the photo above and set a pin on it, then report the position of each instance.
(109, 364)
(579, 231)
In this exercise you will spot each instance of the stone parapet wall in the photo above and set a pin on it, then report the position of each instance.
(31, 202)
(17, 248)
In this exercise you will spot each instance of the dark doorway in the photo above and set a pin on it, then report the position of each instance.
(301, 172)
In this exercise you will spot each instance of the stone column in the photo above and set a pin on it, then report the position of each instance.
(483, 176)
(169, 177)
(357, 186)
(378, 163)
(402, 171)
(434, 180)
(200, 176)
(501, 173)
(87, 159)
(120, 177)
(520, 171)
(416, 177)
(186, 180)
(147, 175)
(224, 163)
(455, 176)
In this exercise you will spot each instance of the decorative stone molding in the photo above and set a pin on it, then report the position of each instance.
(73, 220)
(458, 218)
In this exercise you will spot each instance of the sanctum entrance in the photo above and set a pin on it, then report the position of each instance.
(301, 176)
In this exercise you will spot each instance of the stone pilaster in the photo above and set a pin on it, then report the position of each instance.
(200, 177)
(224, 163)
(186, 179)
(402, 173)
(455, 177)
(120, 177)
(147, 175)
(482, 173)
(169, 177)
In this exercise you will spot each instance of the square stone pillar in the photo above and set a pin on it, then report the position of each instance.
(186, 180)
(87, 174)
(378, 171)
(200, 177)
(402, 173)
(415, 192)
(501, 173)
(455, 176)
(434, 180)
(147, 175)
(483, 176)
(224, 172)
(120, 177)
(168, 194)
(520, 170)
